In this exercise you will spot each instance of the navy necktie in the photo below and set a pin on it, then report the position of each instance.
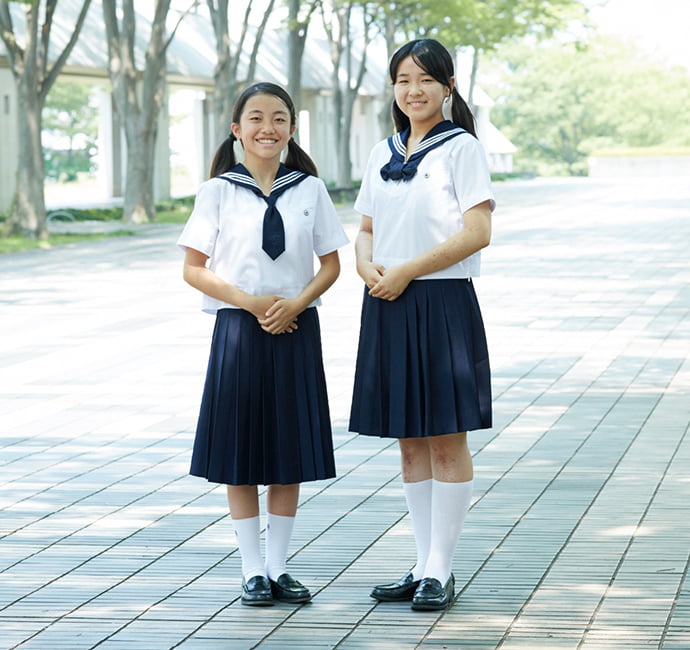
(273, 240)
(399, 169)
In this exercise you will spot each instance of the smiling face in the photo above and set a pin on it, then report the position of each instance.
(419, 95)
(264, 128)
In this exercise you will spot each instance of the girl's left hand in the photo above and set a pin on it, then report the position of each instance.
(393, 282)
(281, 317)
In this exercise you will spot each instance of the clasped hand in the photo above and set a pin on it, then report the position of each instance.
(275, 314)
(383, 283)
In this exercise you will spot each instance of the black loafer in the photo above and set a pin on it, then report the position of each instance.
(289, 590)
(256, 592)
(431, 594)
(404, 589)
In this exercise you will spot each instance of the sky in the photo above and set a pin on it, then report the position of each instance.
(657, 26)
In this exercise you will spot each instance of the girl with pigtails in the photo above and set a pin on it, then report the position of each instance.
(422, 373)
(249, 249)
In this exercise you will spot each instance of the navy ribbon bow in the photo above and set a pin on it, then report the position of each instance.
(399, 169)
(273, 240)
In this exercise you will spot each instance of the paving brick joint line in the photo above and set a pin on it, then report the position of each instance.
(578, 532)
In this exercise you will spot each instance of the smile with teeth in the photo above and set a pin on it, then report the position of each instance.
(266, 141)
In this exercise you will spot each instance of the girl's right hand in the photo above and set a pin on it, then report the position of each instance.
(369, 272)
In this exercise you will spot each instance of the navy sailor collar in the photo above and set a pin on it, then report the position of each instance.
(397, 168)
(273, 230)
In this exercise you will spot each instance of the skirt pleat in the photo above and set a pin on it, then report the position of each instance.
(422, 363)
(264, 416)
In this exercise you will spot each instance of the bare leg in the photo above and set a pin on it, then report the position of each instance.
(416, 473)
(450, 458)
(282, 499)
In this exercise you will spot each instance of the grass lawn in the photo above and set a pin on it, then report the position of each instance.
(168, 211)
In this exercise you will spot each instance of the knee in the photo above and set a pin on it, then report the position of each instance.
(448, 450)
(413, 451)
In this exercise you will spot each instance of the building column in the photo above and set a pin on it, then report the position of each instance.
(111, 147)
(9, 151)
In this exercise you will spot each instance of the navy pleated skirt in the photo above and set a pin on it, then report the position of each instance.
(422, 363)
(264, 416)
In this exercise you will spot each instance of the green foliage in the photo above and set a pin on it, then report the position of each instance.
(17, 244)
(484, 24)
(558, 104)
(71, 118)
(174, 210)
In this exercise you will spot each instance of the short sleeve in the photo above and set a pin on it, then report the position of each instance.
(364, 203)
(329, 234)
(201, 230)
(471, 176)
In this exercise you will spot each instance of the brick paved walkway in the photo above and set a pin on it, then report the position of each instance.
(579, 531)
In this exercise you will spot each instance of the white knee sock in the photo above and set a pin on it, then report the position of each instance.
(449, 505)
(418, 497)
(278, 534)
(247, 533)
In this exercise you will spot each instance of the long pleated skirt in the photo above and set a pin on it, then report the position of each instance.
(264, 416)
(422, 363)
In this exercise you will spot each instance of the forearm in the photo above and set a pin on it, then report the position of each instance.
(364, 244)
(325, 277)
(475, 236)
(453, 250)
(206, 281)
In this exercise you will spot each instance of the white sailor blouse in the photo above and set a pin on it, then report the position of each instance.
(227, 225)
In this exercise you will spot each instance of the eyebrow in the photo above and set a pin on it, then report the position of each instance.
(278, 112)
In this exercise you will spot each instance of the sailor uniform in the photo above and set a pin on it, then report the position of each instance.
(264, 415)
(422, 363)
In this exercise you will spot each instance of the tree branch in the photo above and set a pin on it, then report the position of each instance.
(235, 58)
(64, 55)
(14, 51)
(179, 22)
(257, 41)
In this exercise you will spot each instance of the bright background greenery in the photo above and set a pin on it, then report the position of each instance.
(559, 103)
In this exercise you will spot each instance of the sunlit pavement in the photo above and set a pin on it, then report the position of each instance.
(579, 531)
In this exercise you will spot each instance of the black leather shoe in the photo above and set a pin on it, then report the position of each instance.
(403, 589)
(289, 590)
(257, 592)
(431, 594)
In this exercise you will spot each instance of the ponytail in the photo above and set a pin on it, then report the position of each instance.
(461, 113)
(224, 158)
(297, 158)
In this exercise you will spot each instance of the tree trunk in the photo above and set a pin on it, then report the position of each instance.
(386, 116)
(297, 37)
(139, 112)
(33, 78)
(28, 205)
(226, 82)
(139, 205)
